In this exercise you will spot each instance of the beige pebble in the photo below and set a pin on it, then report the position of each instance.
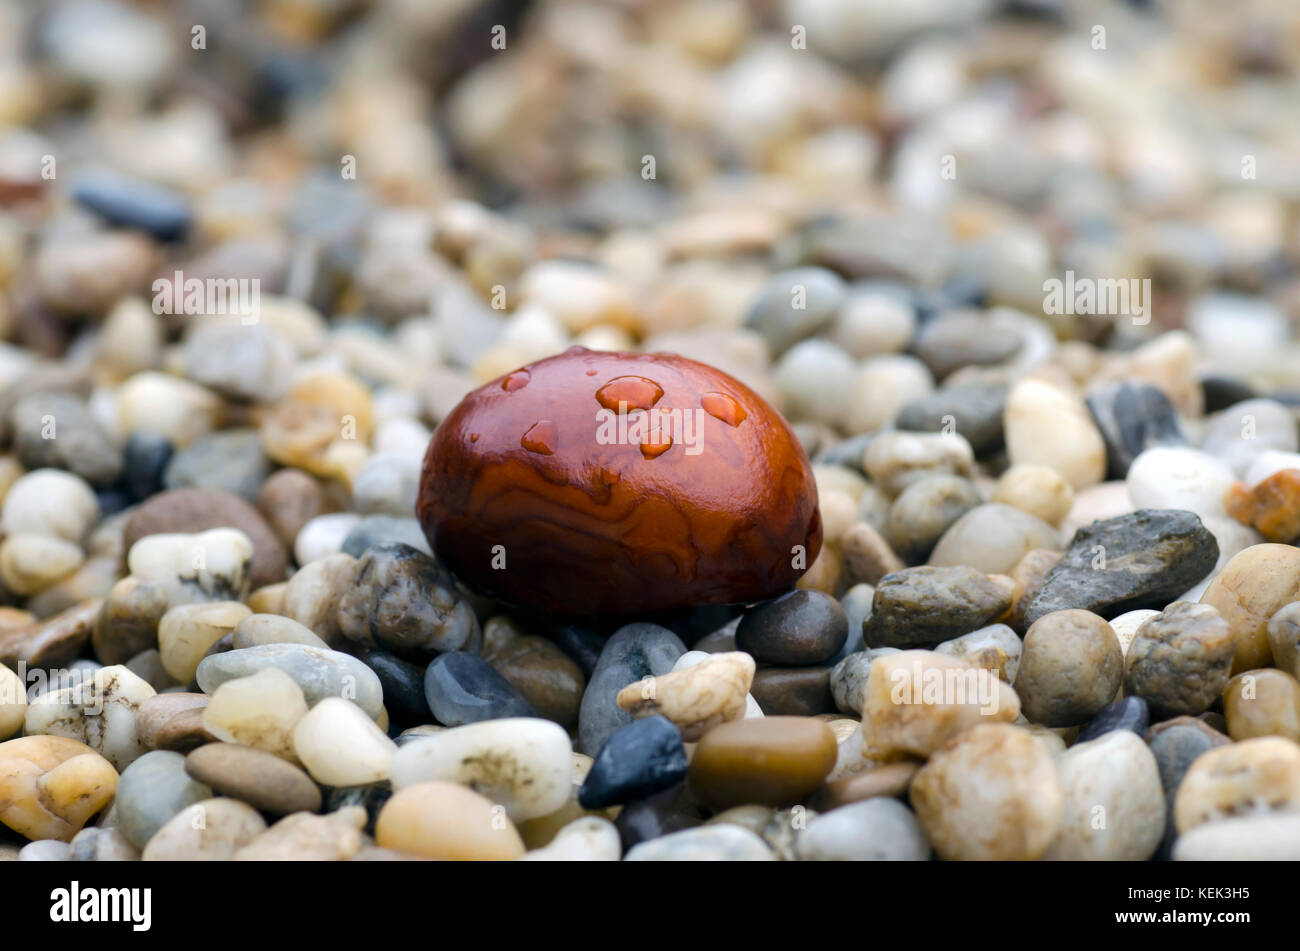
(31, 563)
(1263, 702)
(1252, 587)
(697, 698)
(1250, 777)
(260, 711)
(446, 821)
(589, 839)
(867, 555)
(1048, 426)
(990, 794)
(211, 830)
(1039, 490)
(303, 837)
(50, 786)
(187, 631)
(341, 746)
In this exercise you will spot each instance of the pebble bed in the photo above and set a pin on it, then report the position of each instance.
(1055, 609)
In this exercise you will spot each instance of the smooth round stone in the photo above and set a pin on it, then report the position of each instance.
(769, 761)
(100, 712)
(144, 459)
(73, 440)
(29, 564)
(461, 688)
(534, 666)
(306, 838)
(1047, 426)
(1127, 713)
(152, 790)
(962, 338)
(384, 530)
(894, 460)
(1114, 805)
(50, 786)
(696, 695)
(446, 821)
(319, 673)
(341, 746)
(880, 388)
(173, 721)
(260, 710)
(973, 410)
(95, 844)
(996, 647)
(642, 758)
(403, 684)
(874, 830)
(1259, 775)
(793, 691)
(796, 304)
(1172, 478)
(1240, 435)
(925, 510)
(524, 764)
(288, 499)
(50, 502)
(311, 597)
(188, 631)
(191, 569)
(1071, 667)
(867, 555)
(927, 605)
(1141, 560)
(254, 630)
(1039, 491)
(1132, 418)
(13, 702)
(992, 538)
(588, 839)
(1176, 744)
(1248, 591)
(211, 830)
(904, 713)
(1179, 662)
(178, 410)
(872, 322)
(128, 621)
(1265, 838)
(801, 628)
(1262, 703)
(633, 652)
(45, 850)
(716, 843)
(228, 461)
(404, 600)
(991, 793)
(264, 781)
(811, 377)
(200, 510)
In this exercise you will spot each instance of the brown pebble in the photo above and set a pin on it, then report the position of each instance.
(173, 721)
(263, 780)
(128, 622)
(1029, 574)
(54, 642)
(197, 510)
(892, 779)
(288, 500)
(771, 761)
(793, 691)
(539, 670)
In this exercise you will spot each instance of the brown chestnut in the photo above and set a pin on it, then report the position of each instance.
(596, 483)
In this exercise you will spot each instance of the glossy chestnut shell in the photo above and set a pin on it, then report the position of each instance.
(610, 484)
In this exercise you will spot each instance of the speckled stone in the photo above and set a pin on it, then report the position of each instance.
(995, 647)
(1179, 661)
(772, 761)
(1127, 713)
(1072, 666)
(642, 758)
(1253, 776)
(925, 510)
(264, 781)
(1146, 560)
(798, 629)
(927, 605)
(462, 688)
(991, 793)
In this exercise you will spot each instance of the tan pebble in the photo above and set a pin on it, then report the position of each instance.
(260, 711)
(446, 821)
(303, 837)
(696, 698)
(1038, 490)
(187, 631)
(867, 556)
(1262, 702)
(50, 786)
(1257, 583)
(1254, 776)
(211, 830)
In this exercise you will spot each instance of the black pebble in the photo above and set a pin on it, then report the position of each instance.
(638, 760)
(1129, 713)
